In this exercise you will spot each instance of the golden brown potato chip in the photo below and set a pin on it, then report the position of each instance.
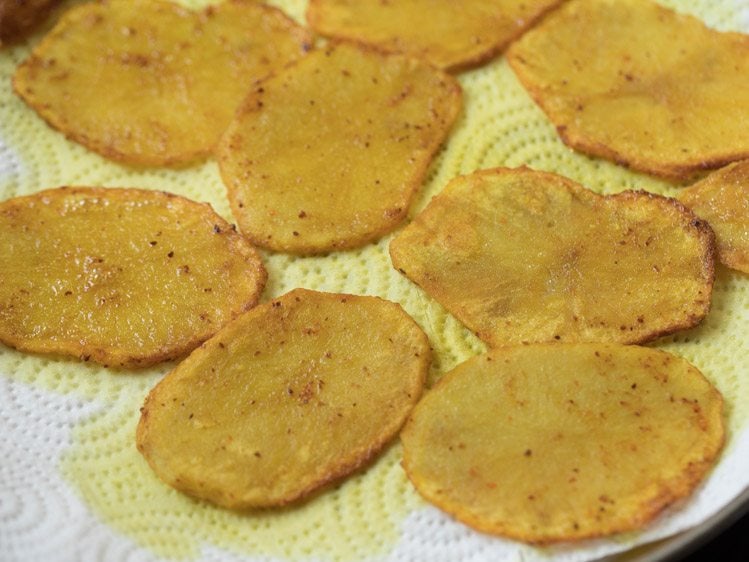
(328, 154)
(123, 277)
(292, 395)
(555, 442)
(20, 17)
(636, 83)
(451, 35)
(522, 256)
(149, 82)
(722, 199)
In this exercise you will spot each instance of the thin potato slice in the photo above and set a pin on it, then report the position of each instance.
(151, 83)
(451, 35)
(521, 256)
(122, 277)
(18, 18)
(663, 94)
(722, 199)
(292, 395)
(555, 442)
(328, 154)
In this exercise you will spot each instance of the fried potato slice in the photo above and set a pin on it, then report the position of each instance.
(123, 277)
(450, 35)
(290, 396)
(328, 154)
(521, 256)
(663, 94)
(148, 82)
(722, 199)
(19, 17)
(559, 442)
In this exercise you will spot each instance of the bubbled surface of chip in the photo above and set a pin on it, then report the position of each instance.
(151, 82)
(123, 277)
(328, 154)
(554, 442)
(722, 199)
(294, 394)
(448, 34)
(663, 94)
(522, 256)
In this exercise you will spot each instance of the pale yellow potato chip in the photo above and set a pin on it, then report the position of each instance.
(151, 83)
(328, 154)
(722, 199)
(521, 256)
(123, 277)
(292, 395)
(636, 83)
(451, 35)
(558, 442)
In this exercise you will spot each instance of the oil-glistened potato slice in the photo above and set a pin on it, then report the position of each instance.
(328, 154)
(149, 82)
(522, 256)
(555, 442)
(663, 94)
(292, 395)
(20, 17)
(451, 35)
(722, 199)
(123, 277)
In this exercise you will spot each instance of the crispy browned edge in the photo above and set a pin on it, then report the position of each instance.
(17, 20)
(670, 492)
(51, 117)
(223, 151)
(491, 51)
(701, 227)
(729, 258)
(109, 358)
(358, 458)
(687, 170)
